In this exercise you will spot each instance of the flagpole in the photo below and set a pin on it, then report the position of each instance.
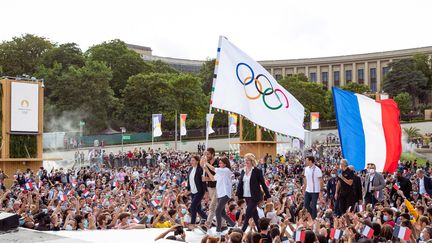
(152, 132)
(214, 80)
(175, 137)
(229, 136)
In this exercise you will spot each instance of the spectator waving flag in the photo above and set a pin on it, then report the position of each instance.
(29, 186)
(396, 187)
(300, 235)
(155, 202)
(369, 130)
(85, 193)
(367, 231)
(336, 234)
(243, 86)
(62, 197)
(74, 183)
(403, 233)
(136, 220)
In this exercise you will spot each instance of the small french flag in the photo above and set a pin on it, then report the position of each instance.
(403, 233)
(133, 206)
(155, 202)
(396, 187)
(70, 193)
(292, 198)
(184, 184)
(50, 194)
(360, 207)
(40, 184)
(135, 220)
(336, 234)
(115, 184)
(300, 235)
(85, 193)
(29, 186)
(367, 231)
(74, 183)
(94, 197)
(62, 197)
(167, 203)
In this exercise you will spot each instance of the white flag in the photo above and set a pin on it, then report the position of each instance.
(183, 130)
(209, 122)
(232, 123)
(157, 127)
(244, 87)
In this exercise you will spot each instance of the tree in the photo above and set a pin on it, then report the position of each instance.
(143, 95)
(404, 77)
(356, 88)
(424, 64)
(122, 61)
(65, 54)
(412, 133)
(206, 74)
(83, 91)
(23, 54)
(159, 67)
(403, 101)
(312, 96)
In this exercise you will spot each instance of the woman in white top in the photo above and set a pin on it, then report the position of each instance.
(223, 177)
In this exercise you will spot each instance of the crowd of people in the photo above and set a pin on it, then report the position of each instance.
(311, 196)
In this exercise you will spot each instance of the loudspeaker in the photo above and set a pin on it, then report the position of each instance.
(8, 221)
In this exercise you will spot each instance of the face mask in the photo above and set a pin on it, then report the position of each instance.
(85, 222)
(68, 227)
(333, 175)
(183, 211)
(421, 237)
(371, 171)
(385, 218)
(45, 210)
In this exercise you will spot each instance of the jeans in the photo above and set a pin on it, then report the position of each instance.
(251, 212)
(196, 207)
(221, 213)
(310, 203)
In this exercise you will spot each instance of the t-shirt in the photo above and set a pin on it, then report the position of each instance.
(313, 177)
(166, 224)
(212, 184)
(346, 189)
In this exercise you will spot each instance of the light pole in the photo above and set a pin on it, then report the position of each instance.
(123, 130)
(81, 124)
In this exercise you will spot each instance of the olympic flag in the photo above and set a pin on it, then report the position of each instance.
(243, 86)
(183, 130)
(157, 127)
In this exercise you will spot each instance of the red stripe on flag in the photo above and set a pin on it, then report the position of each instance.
(392, 133)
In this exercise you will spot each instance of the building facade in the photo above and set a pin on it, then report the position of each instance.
(368, 69)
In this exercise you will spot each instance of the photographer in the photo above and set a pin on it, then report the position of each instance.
(179, 234)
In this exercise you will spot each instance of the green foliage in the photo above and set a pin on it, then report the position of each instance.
(65, 54)
(412, 157)
(423, 63)
(159, 67)
(122, 62)
(249, 131)
(206, 75)
(405, 77)
(412, 132)
(356, 88)
(23, 146)
(23, 54)
(313, 96)
(404, 102)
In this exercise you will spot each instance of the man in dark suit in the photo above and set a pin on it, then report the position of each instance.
(404, 184)
(424, 183)
(358, 188)
(331, 187)
(197, 189)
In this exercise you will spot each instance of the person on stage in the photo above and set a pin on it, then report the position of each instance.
(313, 185)
(249, 188)
(223, 177)
(196, 187)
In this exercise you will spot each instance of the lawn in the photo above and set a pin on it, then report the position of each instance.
(411, 156)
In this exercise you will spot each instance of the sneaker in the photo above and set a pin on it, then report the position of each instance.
(223, 228)
(203, 228)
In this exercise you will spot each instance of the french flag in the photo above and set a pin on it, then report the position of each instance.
(135, 220)
(62, 197)
(85, 193)
(396, 187)
(403, 233)
(360, 207)
(184, 184)
(336, 234)
(70, 193)
(94, 197)
(29, 186)
(133, 206)
(369, 130)
(74, 183)
(376, 194)
(300, 235)
(367, 231)
(115, 184)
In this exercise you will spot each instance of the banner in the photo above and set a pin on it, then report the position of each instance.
(183, 130)
(314, 116)
(244, 87)
(157, 126)
(209, 122)
(24, 107)
(232, 122)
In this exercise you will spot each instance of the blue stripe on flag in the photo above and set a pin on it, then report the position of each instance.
(350, 127)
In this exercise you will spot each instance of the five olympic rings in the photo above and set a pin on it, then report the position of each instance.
(259, 87)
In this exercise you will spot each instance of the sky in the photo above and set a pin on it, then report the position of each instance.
(266, 30)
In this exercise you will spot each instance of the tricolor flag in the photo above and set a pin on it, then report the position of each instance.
(94, 197)
(369, 130)
(232, 123)
(292, 198)
(376, 194)
(155, 202)
(367, 231)
(115, 184)
(183, 130)
(40, 185)
(167, 202)
(403, 233)
(300, 235)
(396, 187)
(133, 206)
(157, 126)
(336, 234)
(135, 220)
(51, 194)
(314, 116)
(74, 183)
(62, 197)
(209, 122)
(184, 184)
(29, 186)
(85, 193)
(242, 86)
(360, 207)
(70, 193)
